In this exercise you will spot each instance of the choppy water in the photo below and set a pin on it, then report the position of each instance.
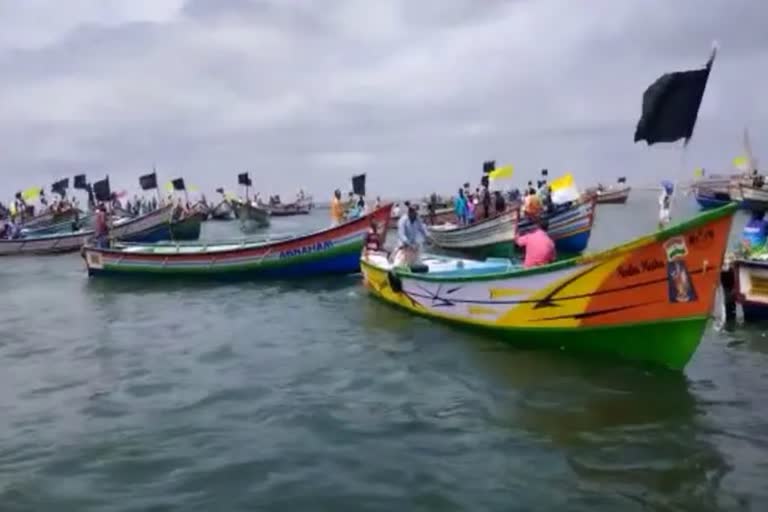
(310, 396)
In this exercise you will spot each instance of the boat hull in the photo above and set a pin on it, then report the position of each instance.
(139, 228)
(222, 211)
(613, 196)
(332, 251)
(646, 301)
(45, 244)
(50, 218)
(287, 210)
(753, 198)
(570, 228)
(751, 288)
(187, 229)
(252, 218)
(707, 201)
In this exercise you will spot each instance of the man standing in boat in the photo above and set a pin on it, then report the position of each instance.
(665, 204)
(410, 235)
(337, 209)
(101, 231)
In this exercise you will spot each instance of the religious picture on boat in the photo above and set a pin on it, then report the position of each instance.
(678, 278)
(680, 285)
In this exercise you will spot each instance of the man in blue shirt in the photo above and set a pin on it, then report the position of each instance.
(755, 232)
(410, 235)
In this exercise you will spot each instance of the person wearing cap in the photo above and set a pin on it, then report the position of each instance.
(410, 235)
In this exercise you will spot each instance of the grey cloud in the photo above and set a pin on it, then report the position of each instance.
(417, 94)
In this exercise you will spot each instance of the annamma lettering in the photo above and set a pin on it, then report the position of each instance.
(315, 247)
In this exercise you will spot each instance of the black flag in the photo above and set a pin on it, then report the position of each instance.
(148, 181)
(220, 190)
(622, 180)
(91, 198)
(545, 172)
(489, 166)
(244, 180)
(358, 184)
(80, 182)
(101, 190)
(60, 187)
(671, 105)
(178, 184)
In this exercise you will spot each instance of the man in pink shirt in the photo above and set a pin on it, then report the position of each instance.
(539, 248)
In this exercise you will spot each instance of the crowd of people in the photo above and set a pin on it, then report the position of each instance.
(468, 208)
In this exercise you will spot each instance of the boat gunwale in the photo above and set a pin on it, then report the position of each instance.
(629, 246)
(241, 244)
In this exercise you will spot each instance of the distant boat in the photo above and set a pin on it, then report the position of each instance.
(708, 198)
(139, 228)
(753, 198)
(252, 217)
(222, 211)
(612, 195)
(569, 227)
(286, 210)
(51, 217)
(188, 228)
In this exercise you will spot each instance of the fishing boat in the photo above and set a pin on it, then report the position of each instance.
(187, 228)
(647, 300)
(68, 226)
(441, 216)
(569, 227)
(753, 198)
(335, 250)
(51, 217)
(286, 210)
(710, 198)
(252, 218)
(612, 195)
(222, 211)
(140, 228)
(745, 282)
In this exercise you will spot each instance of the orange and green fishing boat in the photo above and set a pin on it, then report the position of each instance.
(647, 300)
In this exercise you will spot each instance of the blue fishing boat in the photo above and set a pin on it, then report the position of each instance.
(569, 226)
(709, 199)
(332, 251)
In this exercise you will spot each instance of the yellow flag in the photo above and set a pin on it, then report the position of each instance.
(564, 181)
(169, 186)
(698, 172)
(501, 173)
(192, 188)
(31, 193)
(740, 162)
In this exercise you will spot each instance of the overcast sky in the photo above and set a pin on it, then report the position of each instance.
(416, 93)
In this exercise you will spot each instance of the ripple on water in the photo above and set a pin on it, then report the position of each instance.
(309, 396)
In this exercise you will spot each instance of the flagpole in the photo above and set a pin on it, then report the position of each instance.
(157, 188)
